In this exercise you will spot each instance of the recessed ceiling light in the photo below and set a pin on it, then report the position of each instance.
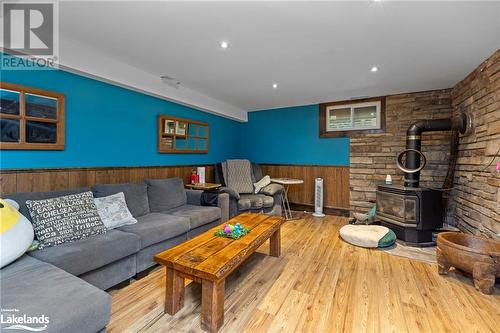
(275, 85)
(224, 44)
(374, 69)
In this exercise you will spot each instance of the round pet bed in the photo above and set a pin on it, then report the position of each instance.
(368, 235)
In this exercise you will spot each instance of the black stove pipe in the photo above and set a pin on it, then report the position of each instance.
(414, 140)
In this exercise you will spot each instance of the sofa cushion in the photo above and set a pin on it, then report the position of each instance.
(36, 288)
(156, 227)
(136, 195)
(198, 215)
(22, 197)
(65, 219)
(244, 204)
(90, 253)
(267, 201)
(258, 201)
(165, 194)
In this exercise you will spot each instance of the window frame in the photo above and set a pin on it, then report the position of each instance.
(23, 118)
(324, 110)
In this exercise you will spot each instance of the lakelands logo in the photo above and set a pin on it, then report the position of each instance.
(12, 319)
(30, 34)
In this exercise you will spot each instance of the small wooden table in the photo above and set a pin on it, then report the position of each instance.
(208, 259)
(203, 186)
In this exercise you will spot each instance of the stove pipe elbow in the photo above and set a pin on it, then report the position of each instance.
(414, 141)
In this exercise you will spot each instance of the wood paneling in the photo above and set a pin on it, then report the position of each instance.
(39, 180)
(335, 183)
(336, 179)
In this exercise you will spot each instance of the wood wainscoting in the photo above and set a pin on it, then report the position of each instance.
(40, 180)
(335, 183)
(336, 179)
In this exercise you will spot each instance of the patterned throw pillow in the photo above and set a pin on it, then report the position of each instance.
(65, 219)
(113, 211)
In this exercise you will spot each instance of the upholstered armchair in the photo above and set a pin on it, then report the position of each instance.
(237, 178)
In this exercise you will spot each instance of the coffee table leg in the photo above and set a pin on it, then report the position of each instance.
(275, 243)
(212, 305)
(174, 298)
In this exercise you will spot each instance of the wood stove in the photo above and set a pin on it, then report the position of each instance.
(412, 213)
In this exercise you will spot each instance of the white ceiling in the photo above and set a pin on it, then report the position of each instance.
(315, 51)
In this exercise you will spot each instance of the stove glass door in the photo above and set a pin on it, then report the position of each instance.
(402, 208)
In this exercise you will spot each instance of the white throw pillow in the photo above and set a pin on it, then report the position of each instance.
(113, 211)
(266, 180)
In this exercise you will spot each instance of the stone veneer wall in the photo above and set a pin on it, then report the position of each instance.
(476, 194)
(373, 156)
(475, 199)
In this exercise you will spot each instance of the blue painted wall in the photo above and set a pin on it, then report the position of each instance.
(290, 136)
(111, 126)
(107, 125)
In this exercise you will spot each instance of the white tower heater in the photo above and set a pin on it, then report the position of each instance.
(318, 198)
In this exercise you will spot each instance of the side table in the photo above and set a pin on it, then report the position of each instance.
(203, 186)
(210, 194)
(286, 182)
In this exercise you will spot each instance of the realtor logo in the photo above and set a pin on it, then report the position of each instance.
(30, 30)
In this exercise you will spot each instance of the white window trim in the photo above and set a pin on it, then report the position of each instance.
(352, 106)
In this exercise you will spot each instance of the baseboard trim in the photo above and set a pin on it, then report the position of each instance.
(326, 210)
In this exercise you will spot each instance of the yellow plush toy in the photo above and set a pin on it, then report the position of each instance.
(16, 232)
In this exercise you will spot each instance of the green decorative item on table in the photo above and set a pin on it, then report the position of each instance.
(232, 231)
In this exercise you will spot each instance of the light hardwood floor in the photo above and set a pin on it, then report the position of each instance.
(319, 284)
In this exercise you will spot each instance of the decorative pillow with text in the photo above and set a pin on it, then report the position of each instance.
(65, 219)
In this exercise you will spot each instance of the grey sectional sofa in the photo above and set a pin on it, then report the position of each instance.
(66, 282)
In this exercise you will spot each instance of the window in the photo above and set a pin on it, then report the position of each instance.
(179, 135)
(30, 118)
(347, 117)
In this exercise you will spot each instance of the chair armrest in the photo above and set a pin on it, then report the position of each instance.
(223, 204)
(194, 197)
(232, 193)
(272, 189)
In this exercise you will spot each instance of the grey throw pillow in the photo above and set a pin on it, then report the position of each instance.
(113, 211)
(65, 219)
(136, 195)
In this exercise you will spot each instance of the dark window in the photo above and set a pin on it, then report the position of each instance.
(38, 132)
(40, 106)
(9, 102)
(9, 130)
(31, 118)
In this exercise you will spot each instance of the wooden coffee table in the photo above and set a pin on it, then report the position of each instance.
(208, 259)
